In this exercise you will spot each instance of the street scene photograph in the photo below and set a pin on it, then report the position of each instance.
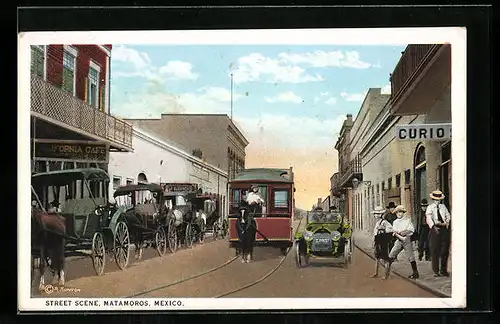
(232, 170)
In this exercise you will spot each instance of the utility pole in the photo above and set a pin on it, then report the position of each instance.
(231, 96)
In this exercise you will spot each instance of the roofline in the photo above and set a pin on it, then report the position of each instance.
(146, 136)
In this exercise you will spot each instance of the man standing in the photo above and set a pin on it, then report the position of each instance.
(390, 216)
(438, 219)
(255, 200)
(423, 237)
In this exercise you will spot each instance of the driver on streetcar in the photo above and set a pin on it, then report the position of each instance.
(254, 200)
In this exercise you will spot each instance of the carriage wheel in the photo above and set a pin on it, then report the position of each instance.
(161, 241)
(202, 232)
(348, 253)
(189, 236)
(298, 255)
(122, 245)
(224, 230)
(98, 253)
(172, 237)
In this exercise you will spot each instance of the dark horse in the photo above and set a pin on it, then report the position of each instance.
(247, 229)
(48, 232)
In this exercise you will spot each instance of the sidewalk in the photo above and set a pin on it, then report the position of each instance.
(441, 285)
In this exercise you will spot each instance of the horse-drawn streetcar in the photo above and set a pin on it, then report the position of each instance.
(71, 215)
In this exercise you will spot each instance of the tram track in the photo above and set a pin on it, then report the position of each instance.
(217, 268)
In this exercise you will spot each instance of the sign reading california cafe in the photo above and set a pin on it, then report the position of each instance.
(424, 132)
(77, 151)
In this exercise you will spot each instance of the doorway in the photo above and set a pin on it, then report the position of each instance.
(420, 181)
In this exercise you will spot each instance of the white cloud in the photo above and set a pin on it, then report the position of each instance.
(353, 96)
(386, 89)
(326, 93)
(178, 70)
(349, 59)
(155, 101)
(331, 101)
(256, 67)
(138, 64)
(288, 96)
(287, 131)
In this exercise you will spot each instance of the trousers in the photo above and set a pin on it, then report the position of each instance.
(400, 245)
(423, 242)
(440, 249)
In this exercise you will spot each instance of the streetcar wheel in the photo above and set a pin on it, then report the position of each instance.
(161, 241)
(122, 245)
(98, 253)
(188, 238)
(172, 237)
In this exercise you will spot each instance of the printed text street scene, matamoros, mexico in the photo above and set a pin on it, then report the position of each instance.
(241, 171)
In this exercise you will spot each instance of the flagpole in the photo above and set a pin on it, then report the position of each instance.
(231, 96)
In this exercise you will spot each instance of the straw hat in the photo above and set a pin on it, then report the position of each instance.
(437, 195)
(400, 208)
(378, 210)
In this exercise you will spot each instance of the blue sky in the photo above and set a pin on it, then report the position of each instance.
(289, 99)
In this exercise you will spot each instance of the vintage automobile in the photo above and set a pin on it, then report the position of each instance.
(326, 235)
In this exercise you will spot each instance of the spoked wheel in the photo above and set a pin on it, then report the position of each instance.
(201, 237)
(172, 237)
(224, 229)
(98, 253)
(348, 252)
(161, 241)
(122, 245)
(189, 236)
(301, 258)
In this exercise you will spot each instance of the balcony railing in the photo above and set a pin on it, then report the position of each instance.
(353, 168)
(414, 58)
(57, 104)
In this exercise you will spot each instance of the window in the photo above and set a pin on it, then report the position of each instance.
(389, 183)
(38, 60)
(93, 87)
(446, 152)
(378, 195)
(69, 64)
(116, 181)
(130, 181)
(280, 199)
(383, 185)
(398, 180)
(407, 177)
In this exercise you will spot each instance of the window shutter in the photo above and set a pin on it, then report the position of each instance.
(101, 98)
(86, 90)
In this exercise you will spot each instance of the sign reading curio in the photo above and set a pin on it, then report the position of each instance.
(74, 151)
(424, 132)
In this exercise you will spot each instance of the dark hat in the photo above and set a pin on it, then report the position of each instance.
(424, 202)
(254, 186)
(391, 205)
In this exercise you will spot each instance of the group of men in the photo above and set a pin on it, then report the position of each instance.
(395, 232)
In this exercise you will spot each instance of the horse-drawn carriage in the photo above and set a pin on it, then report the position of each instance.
(208, 206)
(326, 235)
(71, 215)
(140, 207)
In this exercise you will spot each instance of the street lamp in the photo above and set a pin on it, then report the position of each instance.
(356, 182)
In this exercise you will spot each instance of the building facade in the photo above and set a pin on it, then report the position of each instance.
(156, 161)
(214, 138)
(71, 126)
(388, 168)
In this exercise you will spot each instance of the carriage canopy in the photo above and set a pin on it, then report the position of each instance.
(63, 177)
(125, 190)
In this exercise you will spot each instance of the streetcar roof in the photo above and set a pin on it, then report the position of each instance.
(62, 177)
(123, 190)
(263, 174)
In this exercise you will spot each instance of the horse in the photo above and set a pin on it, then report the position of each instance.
(48, 233)
(247, 229)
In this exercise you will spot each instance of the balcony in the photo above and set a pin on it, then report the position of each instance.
(421, 75)
(353, 170)
(54, 105)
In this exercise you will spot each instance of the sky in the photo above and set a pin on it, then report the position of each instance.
(289, 101)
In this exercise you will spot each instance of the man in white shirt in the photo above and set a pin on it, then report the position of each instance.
(438, 218)
(254, 200)
(402, 229)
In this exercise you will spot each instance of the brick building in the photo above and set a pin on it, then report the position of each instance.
(213, 137)
(71, 126)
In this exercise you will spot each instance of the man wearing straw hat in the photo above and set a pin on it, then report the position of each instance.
(438, 218)
(402, 229)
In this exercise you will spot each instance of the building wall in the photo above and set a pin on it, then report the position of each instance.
(86, 53)
(209, 133)
(160, 162)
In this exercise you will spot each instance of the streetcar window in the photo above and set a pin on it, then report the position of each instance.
(236, 199)
(280, 199)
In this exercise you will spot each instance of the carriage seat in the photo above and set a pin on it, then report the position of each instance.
(146, 212)
(80, 218)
